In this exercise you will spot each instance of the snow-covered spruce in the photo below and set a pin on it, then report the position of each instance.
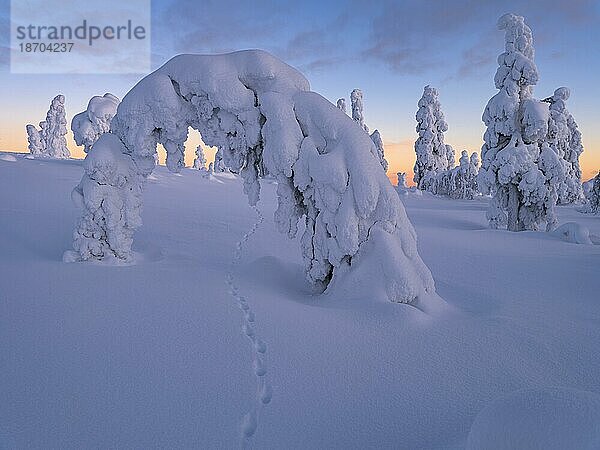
(518, 169)
(433, 156)
(461, 181)
(376, 138)
(341, 104)
(356, 98)
(200, 160)
(564, 138)
(87, 126)
(54, 130)
(593, 197)
(110, 195)
(34, 138)
(401, 186)
(49, 141)
(255, 108)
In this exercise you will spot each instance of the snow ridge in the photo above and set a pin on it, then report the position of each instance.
(259, 348)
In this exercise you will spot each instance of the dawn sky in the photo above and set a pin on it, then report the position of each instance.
(389, 49)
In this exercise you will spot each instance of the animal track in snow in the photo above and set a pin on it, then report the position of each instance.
(259, 348)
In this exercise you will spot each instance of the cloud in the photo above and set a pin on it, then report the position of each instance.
(414, 37)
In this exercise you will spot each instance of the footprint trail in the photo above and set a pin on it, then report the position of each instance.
(264, 391)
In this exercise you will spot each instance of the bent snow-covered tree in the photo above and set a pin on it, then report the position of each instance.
(376, 138)
(433, 156)
(519, 169)
(87, 126)
(256, 109)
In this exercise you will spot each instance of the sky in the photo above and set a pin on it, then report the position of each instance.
(388, 49)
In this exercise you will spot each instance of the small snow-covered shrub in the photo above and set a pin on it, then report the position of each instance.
(341, 104)
(433, 155)
(87, 126)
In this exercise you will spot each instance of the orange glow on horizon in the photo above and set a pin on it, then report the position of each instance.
(400, 155)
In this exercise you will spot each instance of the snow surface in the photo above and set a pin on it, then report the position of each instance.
(156, 354)
(544, 419)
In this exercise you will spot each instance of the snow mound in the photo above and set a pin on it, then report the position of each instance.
(259, 113)
(8, 158)
(573, 232)
(552, 418)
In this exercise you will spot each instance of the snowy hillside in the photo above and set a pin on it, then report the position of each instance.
(213, 331)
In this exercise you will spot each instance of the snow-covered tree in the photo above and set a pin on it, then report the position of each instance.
(219, 163)
(200, 161)
(565, 139)
(110, 196)
(341, 104)
(376, 138)
(356, 239)
(518, 168)
(433, 155)
(34, 138)
(593, 197)
(356, 98)
(55, 129)
(87, 126)
(462, 180)
(401, 186)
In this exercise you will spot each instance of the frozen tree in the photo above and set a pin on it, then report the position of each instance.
(376, 138)
(87, 126)
(200, 161)
(565, 139)
(593, 196)
(462, 180)
(401, 187)
(55, 129)
(110, 195)
(356, 97)
(219, 163)
(34, 138)
(433, 155)
(253, 108)
(518, 169)
(341, 104)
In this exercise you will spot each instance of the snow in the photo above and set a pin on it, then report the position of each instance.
(87, 126)
(548, 419)
(153, 354)
(259, 112)
(7, 157)
(573, 232)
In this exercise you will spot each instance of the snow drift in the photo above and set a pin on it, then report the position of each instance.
(258, 111)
